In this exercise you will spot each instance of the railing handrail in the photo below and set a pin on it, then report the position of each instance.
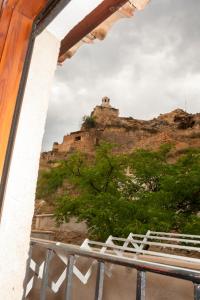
(179, 247)
(159, 233)
(162, 238)
(142, 251)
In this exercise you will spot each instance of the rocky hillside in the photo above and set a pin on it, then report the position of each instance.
(104, 124)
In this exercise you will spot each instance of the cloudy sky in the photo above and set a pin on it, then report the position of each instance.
(147, 65)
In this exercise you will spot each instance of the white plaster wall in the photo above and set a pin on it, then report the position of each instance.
(15, 225)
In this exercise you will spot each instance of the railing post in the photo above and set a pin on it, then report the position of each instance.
(100, 281)
(45, 274)
(196, 291)
(141, 283)
(27, 271)
(69, 276)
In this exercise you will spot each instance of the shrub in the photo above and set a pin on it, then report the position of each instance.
(89, 122)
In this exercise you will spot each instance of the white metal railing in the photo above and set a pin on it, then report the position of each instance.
(129, 253)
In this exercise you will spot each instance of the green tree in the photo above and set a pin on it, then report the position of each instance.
(182, 183)
(98, 182)
(49, 181)
(155, 194)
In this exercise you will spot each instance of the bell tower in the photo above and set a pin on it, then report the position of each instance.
(106, 102)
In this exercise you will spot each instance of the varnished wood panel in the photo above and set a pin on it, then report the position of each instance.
(90, 22)
(1, 6)
(26, 8)
(7, 8)
(16, 23)
(10, 73)
(31, 8)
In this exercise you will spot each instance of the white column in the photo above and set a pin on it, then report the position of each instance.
(15, 225)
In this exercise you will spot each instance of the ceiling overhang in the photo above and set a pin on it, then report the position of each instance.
(97, 23)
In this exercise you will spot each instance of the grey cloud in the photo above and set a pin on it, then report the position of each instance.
(147, 65)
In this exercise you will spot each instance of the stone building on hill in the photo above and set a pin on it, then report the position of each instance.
(88, 137)
(105, 114)
(79, 140)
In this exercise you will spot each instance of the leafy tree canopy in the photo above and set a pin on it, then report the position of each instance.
(119, 194)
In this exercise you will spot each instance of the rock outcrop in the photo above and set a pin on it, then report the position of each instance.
(104, 124)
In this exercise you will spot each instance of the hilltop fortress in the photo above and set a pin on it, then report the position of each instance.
(104, 124)
(102, 116)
